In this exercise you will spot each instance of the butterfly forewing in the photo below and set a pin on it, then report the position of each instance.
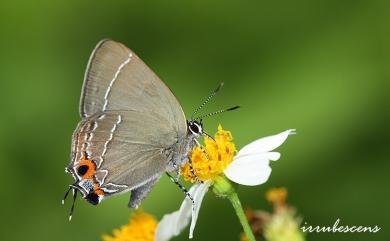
(117, 79)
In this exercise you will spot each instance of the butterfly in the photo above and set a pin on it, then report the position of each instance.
(132, 128)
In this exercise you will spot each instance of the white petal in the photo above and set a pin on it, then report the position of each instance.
(172, 224)
(251, 169)
(265, 144)
(198, 198)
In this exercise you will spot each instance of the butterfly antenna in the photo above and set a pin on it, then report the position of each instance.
(207, 99)
(218, 112)
(66, 195)
(74, 200)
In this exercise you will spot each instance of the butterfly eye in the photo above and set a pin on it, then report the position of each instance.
(194, 128)
(82, 170)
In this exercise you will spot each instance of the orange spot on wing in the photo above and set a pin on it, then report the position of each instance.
(89, 175)
(91, 168)
(97, 190)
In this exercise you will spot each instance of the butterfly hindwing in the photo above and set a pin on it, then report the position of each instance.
(127, 147)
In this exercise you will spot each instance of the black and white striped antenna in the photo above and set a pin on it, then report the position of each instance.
(207, 100)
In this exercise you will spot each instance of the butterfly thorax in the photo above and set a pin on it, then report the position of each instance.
(177, 155)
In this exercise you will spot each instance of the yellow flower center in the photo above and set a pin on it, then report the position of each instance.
(219, 155)
(141, 227)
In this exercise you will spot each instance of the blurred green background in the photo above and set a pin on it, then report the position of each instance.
(321, 67)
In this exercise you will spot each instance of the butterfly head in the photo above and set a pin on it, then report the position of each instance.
(195, 127)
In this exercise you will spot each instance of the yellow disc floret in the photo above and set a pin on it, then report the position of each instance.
(141, 227)
(212, 161)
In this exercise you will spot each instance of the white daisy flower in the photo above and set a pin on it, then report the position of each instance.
(250, 167)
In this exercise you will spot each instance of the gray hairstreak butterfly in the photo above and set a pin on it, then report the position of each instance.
(132, 128)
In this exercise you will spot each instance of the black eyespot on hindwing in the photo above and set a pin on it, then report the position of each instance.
(82, 170)
(92, 198)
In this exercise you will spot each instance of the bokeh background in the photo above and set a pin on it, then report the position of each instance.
(321, 67)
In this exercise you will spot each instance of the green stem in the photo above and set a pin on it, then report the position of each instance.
(233, 198)
(223, 188)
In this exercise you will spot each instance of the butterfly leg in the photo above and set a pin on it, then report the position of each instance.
(173, 179)
(192, 170)
(178, 172)
(202, 149)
